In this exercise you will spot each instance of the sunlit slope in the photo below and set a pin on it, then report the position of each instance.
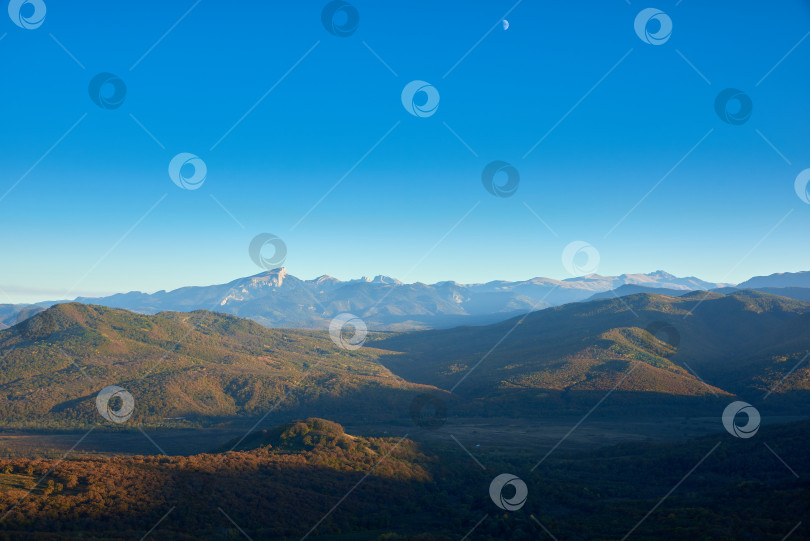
(198, 365)
(734, 343)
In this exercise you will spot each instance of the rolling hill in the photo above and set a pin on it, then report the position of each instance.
(275, 491)
(796, 293)
(200, 366)
(633, 289)
(650, 351)
(700, 345)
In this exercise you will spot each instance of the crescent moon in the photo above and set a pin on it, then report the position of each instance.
(505, 24)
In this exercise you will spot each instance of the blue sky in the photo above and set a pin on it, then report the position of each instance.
(98, 212)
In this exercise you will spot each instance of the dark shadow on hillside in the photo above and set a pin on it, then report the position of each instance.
(738, 489)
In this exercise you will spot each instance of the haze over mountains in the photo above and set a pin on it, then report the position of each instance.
(275, 298)
(780, 279)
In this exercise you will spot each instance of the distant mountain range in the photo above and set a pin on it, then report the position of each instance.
(781, 279)
(277, 299)
(791, 285)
